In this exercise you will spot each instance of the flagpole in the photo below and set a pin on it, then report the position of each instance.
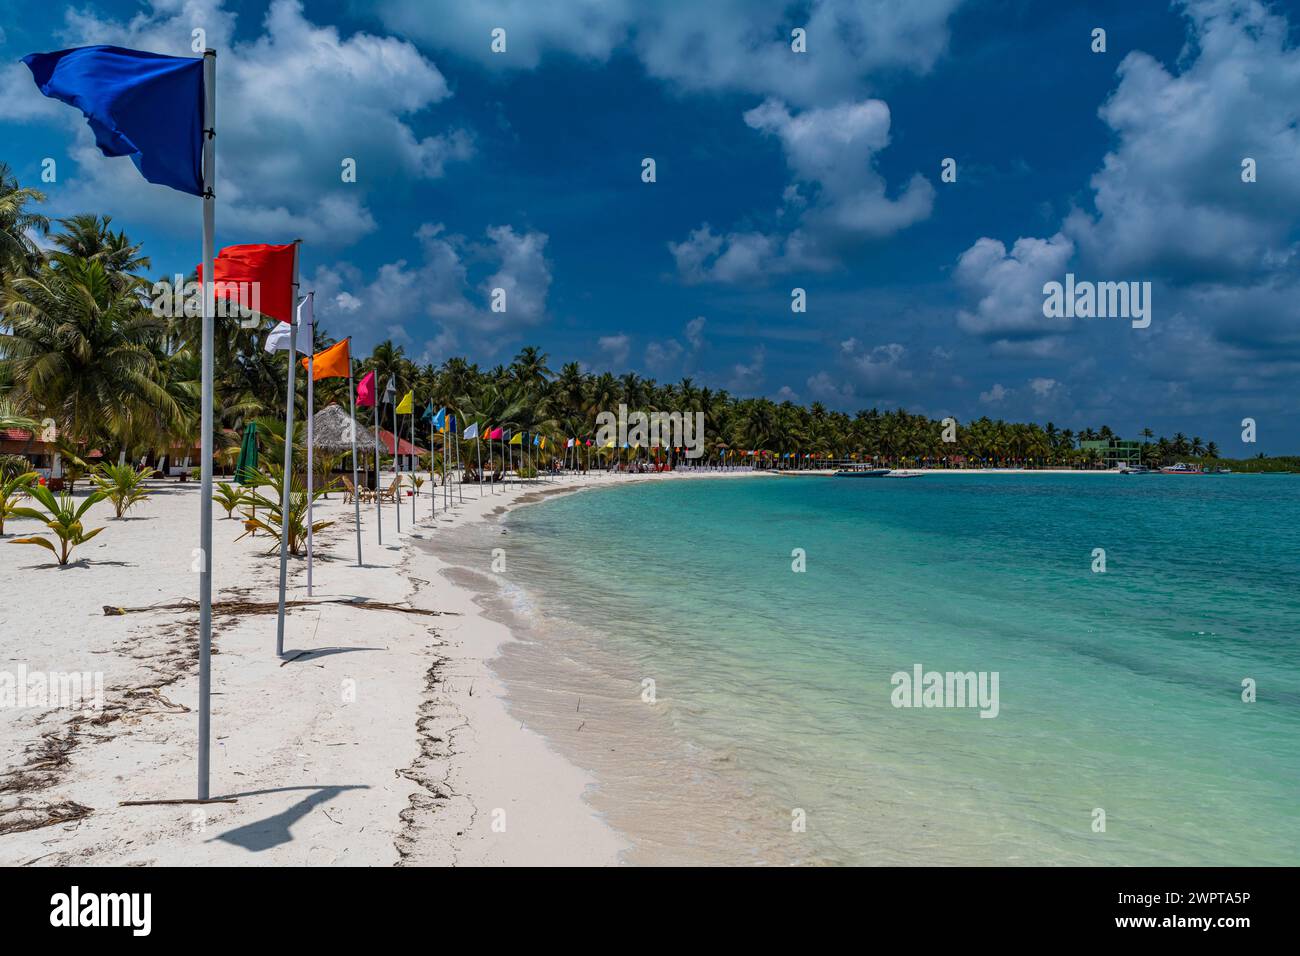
(397, 462)
(460, 475)
(478, 451)
(433, 497)
(413, 464)
(205, 416)
(379, 507)
(311, 409)
(356, 487)
(287, 476)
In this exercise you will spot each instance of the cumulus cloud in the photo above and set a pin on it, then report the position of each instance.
(1169, 197)
(695, 332)
(722, 46)
(747, 377)
(294, 103)
(995, 395)
(435, 300)
(616, 348)
(838, 197)
(1008, 286)
(833, 150)
(670, 355)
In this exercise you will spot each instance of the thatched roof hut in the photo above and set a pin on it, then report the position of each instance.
(332, 429)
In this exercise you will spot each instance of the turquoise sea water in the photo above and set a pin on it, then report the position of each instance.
(1119, 691)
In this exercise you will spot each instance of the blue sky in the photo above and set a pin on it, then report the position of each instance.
(775, 170)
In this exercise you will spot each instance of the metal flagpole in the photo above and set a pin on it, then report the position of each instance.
(478, 451)
(445, 502)
(356, 486)
(205, 415)
(287, 476)
(460, 475)
(390, 393)
(413, 464)
(311, 409)
(433, 491)
(379, 505)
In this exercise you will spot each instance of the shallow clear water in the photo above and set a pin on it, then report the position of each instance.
(1118, 691)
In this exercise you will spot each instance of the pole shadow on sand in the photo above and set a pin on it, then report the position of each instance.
(274, 830)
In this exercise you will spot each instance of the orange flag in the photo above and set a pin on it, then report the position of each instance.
(331, 363)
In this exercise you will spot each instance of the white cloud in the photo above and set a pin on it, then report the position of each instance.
(1044, 387)
(1009, 285)
(838, 196)
(834, 149)
(995, 395)
(724, 45)
(616, 348)
(695, 332)
(663, 356)
(293, 104)
(748, 376)
(1169, 198)
(433, 300)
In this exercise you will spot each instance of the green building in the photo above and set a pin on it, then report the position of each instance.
(1115, 451)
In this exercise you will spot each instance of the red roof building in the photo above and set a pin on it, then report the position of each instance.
(404, 447)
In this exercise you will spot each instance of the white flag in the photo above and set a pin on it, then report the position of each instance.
(471, 432)
(278, 337)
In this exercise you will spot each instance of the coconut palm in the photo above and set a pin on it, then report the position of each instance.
(63, 517)
(78, 349)
(13, 488)
(122, 485)
(19, 252)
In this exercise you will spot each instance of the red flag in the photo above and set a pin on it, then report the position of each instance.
(237, 268)
(495, 435)
(366, 391)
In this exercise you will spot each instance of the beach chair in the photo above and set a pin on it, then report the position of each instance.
(390, 493)
(350, 491)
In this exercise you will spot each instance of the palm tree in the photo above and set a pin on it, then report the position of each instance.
(529, 369)
(19, 253)
(89, 237)
(78, 350)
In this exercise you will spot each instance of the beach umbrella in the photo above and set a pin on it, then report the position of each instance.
(247, 463)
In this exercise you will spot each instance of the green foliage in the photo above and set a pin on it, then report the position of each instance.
(229, 497)
(526, 471)
(12, 490)
(271, 518)
(123, 485)
(63, 517)
(11, 465)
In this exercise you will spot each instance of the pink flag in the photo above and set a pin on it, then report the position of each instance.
(366, 391)
(495, 435)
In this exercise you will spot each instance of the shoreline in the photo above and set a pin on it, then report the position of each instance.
(382, 738)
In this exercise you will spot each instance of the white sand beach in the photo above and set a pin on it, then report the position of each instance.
(381, 738)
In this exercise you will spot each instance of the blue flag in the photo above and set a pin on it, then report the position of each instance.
(427, 414)
(440, 418)
(143, 105)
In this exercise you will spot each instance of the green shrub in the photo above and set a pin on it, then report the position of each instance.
(123, 485)
(63, 519)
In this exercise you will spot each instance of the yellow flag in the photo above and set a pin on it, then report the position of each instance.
(407, 404)
(518, 438)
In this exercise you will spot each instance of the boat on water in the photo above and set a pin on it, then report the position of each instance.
(904, 474)
(1182, 468)
(1135, 470)
(862, 473)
